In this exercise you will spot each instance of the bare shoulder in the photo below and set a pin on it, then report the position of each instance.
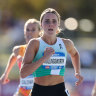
(33, 43)
(33, 46)
(68, 43)
(16, 50)
(31, 50)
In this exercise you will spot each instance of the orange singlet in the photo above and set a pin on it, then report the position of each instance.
(21, 53)
(26, 84)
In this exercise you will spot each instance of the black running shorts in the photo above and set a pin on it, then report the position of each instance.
(54, 90)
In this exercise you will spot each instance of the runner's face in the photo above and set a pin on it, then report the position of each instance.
(32, 31)
(50, 24)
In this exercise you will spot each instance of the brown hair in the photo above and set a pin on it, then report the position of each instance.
(50, 10)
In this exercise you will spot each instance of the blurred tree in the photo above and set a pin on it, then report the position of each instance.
(31, 8)
(25, 9)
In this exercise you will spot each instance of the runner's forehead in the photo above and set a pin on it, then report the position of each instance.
(50, 16)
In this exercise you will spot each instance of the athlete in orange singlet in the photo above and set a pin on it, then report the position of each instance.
(31, 30)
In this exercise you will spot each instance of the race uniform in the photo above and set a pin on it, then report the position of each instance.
(26, 84)
(55, 65)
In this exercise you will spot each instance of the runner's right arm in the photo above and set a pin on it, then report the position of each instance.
(11, 62)
(28, 67)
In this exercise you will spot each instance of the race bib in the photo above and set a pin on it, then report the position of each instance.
(56, 61)
(27, 82)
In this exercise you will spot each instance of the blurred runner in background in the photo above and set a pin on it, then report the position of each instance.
(31, 30)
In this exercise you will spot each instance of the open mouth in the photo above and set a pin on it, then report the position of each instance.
(50, 29)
